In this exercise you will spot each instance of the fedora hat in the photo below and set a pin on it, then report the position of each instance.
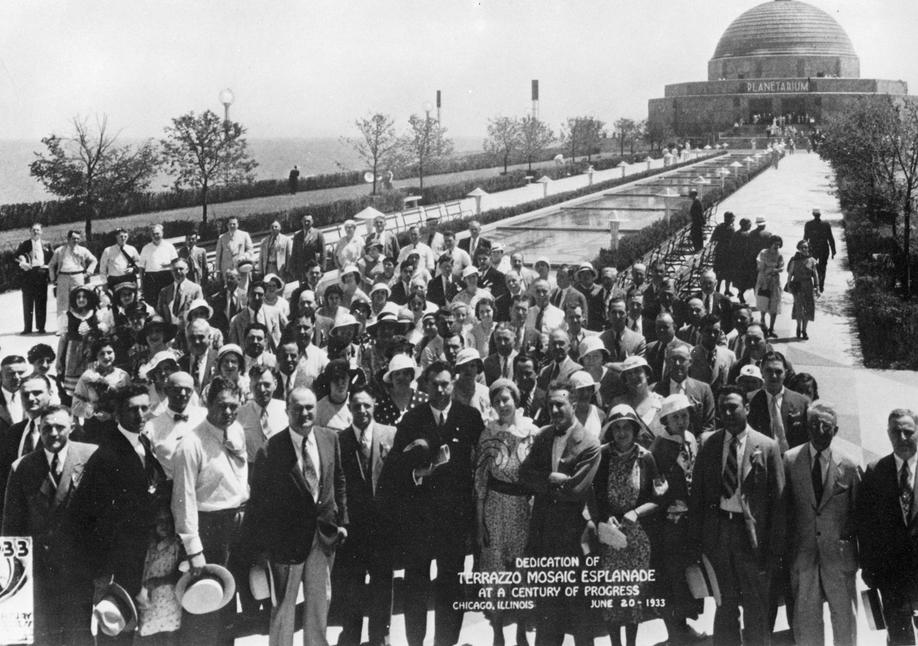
(400, 362)
(702, 581)
(418, 453)
(208, 592)
(261, 583)
(114, 614)
(760, 221)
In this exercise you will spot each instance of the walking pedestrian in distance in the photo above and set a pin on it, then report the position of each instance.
(818, 233)
(802, 284)
(293, 180)
(696, 212)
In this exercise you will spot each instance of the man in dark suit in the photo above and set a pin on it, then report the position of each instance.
(474, 243)
(389, 241)
(657, 351)
(427, 483)
(559, 470)
(711, 361)
(198, 269)
(819, 234)
(115, 507)
(13, 368)
(714, 302)
(532, 398)
(175, 298)
(401, 290)
(513, 285)
(489, 276)
(41, 488)
(618, 339)
(595, 297)
(297, 516)
(308, 245)
(560, 366)
(442, 288)
(364, 448)
(565, 295)
(24, 437)
(500, 363)
(789, 428)
(228, 302)
(887, 527)
(736, 518)
(33, 256)
(699, 393)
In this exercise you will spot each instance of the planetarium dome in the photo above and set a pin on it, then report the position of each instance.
(784, 39)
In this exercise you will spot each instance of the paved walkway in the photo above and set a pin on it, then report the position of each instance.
(863, 397)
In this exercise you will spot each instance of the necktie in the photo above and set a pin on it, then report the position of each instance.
(196, 371)
(365, 451)
(709, 304)
(816, 474)
(528, 407)
(263, 421)
(309, 473)
(505, 367)
(777, 425)
(731, 471)
(29, 444)
(556, 298)
(54, 472)
(177, 302)
(145, 443)
(180, 417)
(906, 494)
(539, 317)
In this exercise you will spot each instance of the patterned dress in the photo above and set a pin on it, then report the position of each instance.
(388, 413)
(76, 348)
(162, 612)
(801, 273)
(501, 450)
(624, 482)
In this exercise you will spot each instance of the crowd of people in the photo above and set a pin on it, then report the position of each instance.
(428, 402)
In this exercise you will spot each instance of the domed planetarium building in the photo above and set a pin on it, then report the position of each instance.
(783, 58)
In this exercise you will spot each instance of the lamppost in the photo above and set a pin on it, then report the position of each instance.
(226, 98)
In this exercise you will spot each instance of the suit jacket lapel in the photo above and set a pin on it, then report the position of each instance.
(295, 471)
(69, 471)
(914, 510)
(803, 466)
(747, 455)
(376, 461)
(831, 479)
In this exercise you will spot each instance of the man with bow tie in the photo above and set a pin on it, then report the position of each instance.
(115, 505)
(168, 428)
(887, 527)
(208, 497)
(23, 437)
(298, 517)
(822, 487)
(427, 482)
(41, 487)
(364, 448)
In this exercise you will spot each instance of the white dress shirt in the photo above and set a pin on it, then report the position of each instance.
(13, 404)
(157, 257)
(257, 434)
(32, 430)
(676, 388)
(165, 432)
(61, 458)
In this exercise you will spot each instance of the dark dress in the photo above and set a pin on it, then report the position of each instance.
(624, 482)
(670, 552)
(802, 279)
(743, 261)
(723, 259)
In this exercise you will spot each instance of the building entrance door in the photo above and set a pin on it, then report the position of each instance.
(761, 112)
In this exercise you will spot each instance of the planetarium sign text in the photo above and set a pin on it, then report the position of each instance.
(771, 87)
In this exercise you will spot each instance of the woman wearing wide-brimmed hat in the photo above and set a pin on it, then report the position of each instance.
(101, 375)
(400, 394)
(502, 505)
(623, 511)
(230, 365)
(674, 452)
(467, 389)
(637, 376)
(583, 395)
(594, 357)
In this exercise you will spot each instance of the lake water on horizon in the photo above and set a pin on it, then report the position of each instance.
(275, 157)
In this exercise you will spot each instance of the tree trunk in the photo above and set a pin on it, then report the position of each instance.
(204, 204)
(375, 164)
(506, 162)
(621, 145)
(908, 232)
(421, 175)
(88, 227)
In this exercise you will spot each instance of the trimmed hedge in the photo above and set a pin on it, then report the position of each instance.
(338, 211)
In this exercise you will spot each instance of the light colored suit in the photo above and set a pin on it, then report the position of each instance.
(283, 249)
(188, 292)
(232, 248)
(822, 547)
(269, 316)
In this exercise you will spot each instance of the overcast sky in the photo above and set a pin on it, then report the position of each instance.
(308, 68)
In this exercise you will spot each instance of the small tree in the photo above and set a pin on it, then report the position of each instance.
(627, 130)
(657, 132)
(582, 134)
(93, 170)
(377, 142)
(205, 150)
(535, 137)
(504, 138)
(424, 144)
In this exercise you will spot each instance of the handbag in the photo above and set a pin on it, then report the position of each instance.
(791, 286)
